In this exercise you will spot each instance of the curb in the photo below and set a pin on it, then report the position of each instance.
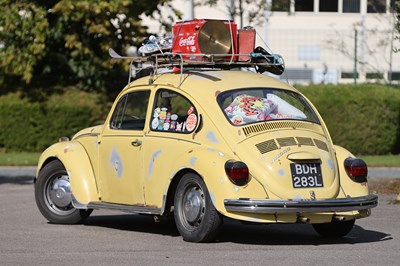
(26, 174)
(17, 174)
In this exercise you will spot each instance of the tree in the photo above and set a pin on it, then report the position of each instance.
(250, 10)
(397, 27)
(47, 42)
(23, 30)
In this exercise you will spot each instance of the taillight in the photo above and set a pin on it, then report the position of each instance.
(356, 169)
(238, 172)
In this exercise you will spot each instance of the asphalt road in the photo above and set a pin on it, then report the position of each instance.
(114, 238)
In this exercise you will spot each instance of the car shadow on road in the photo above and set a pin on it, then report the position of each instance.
(293, 234)
(236, 232)
(134, 223)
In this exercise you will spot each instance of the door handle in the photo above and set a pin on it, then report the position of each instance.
(136, 143)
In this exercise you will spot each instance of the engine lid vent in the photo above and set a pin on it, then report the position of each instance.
(321, 145)
(290, 141)
(267, 146)
(268, 126)
(272, 144)
(304, 141)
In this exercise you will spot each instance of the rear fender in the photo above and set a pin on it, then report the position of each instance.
(210, 165)
(79, 168)
(348, 186)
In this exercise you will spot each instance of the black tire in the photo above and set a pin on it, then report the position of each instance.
(196, 218)
(54, 198)
(334, 229)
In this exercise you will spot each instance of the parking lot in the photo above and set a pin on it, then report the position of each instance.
(114, 238)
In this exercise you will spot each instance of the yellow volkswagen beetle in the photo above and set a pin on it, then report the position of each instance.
(202, 145)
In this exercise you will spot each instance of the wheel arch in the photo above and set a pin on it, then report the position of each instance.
(169, 199)
(78, 166)
(199, 161)
(43, 164)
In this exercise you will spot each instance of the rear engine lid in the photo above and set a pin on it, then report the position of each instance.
(292, 164)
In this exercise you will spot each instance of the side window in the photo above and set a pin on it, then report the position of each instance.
(130, 112)
(173, 112)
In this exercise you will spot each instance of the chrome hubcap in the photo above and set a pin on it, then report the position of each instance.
(193, 206)
(58, 195)
(60, 192)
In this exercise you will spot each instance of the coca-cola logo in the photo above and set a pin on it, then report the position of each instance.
(186, 41)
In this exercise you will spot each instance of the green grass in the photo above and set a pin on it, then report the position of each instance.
(19, 158)
(31, 158)
(382, 160)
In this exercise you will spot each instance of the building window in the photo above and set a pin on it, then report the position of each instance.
(393, 6)
(304, 5)
(348, 75)
(328, 6)
(351, 6)
(374, 75)
(376, 6)
(280, 5)
(395, 75)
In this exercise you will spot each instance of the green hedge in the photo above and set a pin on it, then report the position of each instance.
(362, 118)
(33, 126)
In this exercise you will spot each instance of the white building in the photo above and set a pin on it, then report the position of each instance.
(322, 41)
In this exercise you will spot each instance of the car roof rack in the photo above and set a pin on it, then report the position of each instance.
(159, 62)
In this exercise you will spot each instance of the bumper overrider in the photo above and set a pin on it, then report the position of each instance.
(301, 206)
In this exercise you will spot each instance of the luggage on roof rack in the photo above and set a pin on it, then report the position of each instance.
(206, 43)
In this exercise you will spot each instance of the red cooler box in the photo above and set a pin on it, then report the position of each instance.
(246, 43)
(204, 36)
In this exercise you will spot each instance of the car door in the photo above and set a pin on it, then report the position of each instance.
(120, 151)
(169, 138)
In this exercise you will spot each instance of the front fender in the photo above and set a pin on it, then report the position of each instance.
(209, 164)
(349, 188)
(79, 168)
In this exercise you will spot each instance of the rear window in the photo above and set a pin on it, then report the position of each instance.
(246, 106)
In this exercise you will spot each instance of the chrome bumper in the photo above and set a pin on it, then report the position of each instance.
(301, 206)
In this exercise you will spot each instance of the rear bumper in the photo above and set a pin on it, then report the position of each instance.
(301, 206)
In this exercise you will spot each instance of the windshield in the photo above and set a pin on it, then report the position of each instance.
(245, 106)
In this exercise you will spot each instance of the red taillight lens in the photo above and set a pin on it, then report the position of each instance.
(238, 172)
(356, 169)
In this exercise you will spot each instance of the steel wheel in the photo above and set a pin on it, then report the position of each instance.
(196, 218)
(58, 196)
(54, 197)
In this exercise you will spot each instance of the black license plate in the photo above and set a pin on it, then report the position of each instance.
(306, 175)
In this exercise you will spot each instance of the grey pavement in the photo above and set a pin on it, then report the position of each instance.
(113, 238)
(389, 172)
(25, 174)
